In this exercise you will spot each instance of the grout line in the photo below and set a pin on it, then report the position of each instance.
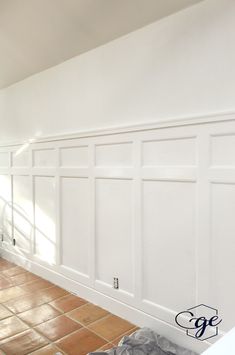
(78, 330)
(19, 273)
(33, 281)
(32, 328)
(86, 326)
(51, 342)
(91, 330)
(65, 313)
(72, 310)
(96, 321)
(109, 341)
(57, 299)
(27, 293)
(12, 314)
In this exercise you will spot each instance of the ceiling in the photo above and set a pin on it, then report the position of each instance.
(38, 34)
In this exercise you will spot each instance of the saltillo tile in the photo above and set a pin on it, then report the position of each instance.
(14, 271)
(11, 326)
(111, 327)
(47, 350)
(10, 293)
(4, 312)
(88, 314)
(23, 343)
(58, 327)
(68, 303)
(36, 285)
(39, 315)
(81, 342)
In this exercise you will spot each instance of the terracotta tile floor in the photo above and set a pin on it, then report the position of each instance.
(40, 318)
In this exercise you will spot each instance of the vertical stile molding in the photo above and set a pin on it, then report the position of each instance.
(10, 163)
(32, 200)
(12, 205)
(92, 242)
(59, 250)
(203, 218)
(137, 232)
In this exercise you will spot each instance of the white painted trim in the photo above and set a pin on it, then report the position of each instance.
(166, 123)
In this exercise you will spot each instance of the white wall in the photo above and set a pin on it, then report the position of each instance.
(182, 65)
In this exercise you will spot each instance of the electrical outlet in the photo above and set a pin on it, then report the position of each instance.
(115, 283)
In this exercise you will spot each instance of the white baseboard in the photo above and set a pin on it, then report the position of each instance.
(114, 306)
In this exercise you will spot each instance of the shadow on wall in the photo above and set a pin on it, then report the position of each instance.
(19, 230)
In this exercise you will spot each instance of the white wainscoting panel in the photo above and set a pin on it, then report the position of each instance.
(180, 151)
(222, 147)
(223, 251)
(4, 159)
(73, 157)
(6, 207)
(169, 244)
(20, 158)
(75, 224)
(44, 158)
(44, 207)
(114, 200)
(23, 213)
(118, 154)
(153, 207)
